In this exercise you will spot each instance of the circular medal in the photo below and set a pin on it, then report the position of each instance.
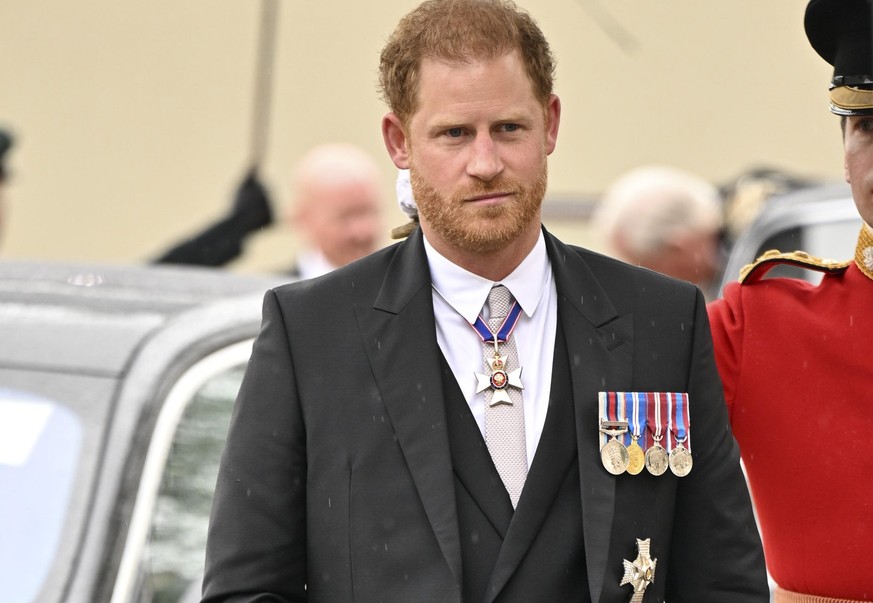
(636, 458)
(614, 456)
(499, 379)
(680, 461)
(656, 459)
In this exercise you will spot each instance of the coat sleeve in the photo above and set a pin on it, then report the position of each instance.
(256, 547)
(716, 553)
(726, 319)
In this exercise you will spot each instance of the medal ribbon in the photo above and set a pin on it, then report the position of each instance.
(681, 422)
(636, 406)
(671, 428)
(612, 408)
(653, 403)
(505, 330)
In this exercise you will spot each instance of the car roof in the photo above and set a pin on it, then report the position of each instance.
(50, 311)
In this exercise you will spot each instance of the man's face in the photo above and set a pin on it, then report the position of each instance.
(344, 221)
(477, 149)
(858, 146)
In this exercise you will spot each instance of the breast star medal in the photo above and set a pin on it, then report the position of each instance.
(499, 379)
(640, 572)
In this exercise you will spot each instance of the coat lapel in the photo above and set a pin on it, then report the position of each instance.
(399, 336)
(600, 350)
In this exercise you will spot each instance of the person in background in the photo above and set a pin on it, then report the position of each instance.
(440, 420)
(667, 220)
(6, 142)
(335, 208)
(224, 240)
(795, 362)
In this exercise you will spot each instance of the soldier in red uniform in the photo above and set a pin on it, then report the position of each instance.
(796, 366)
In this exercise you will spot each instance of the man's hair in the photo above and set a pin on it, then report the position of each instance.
(646, 207)
(460, 31)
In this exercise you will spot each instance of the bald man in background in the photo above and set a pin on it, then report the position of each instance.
(336, 206)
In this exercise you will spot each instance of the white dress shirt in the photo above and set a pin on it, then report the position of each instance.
(459, 297)
(312, 263)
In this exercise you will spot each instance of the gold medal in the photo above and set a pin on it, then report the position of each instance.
(680, 460)
(636, 458)
(656, 459)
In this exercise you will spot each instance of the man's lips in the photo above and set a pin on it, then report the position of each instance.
(490, 198)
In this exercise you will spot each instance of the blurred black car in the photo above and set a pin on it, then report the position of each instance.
(116, 387)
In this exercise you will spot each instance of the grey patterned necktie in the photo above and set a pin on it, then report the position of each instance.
(504, 422)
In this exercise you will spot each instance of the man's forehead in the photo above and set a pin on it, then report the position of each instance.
(452, 84)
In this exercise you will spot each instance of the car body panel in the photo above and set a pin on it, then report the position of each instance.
(101, 348)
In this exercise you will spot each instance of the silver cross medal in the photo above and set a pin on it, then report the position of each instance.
(641, 572)
(499, 380)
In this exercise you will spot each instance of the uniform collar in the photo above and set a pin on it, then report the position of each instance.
(864, 251)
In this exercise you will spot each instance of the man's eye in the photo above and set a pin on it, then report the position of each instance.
(510, 127)
(866, 125)
(455, 132)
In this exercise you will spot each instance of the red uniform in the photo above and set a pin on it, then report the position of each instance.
(797, 368)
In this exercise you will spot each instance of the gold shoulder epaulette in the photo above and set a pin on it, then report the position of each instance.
(754, 272)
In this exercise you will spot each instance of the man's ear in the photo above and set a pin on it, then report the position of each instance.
(394, 136)
(553, 120)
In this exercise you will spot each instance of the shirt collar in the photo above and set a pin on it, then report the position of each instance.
(467, 292)
(312, 263)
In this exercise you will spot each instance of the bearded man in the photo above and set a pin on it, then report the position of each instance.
(462, 416)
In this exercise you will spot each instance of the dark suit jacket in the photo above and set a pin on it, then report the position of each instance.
(337, 482)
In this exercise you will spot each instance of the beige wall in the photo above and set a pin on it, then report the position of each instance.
(133, 117)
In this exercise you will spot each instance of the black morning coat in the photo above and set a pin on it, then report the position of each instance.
(353, 473)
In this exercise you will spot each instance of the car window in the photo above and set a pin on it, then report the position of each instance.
(40, 442)
(164, 553)
(174, 556)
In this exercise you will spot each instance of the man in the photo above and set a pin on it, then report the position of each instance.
(796, 367)
(335, 208)
(667, 220)
(381, 449)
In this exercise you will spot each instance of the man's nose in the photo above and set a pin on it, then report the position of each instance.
(485, 162)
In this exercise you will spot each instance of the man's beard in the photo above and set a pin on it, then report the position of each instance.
(480, 229)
